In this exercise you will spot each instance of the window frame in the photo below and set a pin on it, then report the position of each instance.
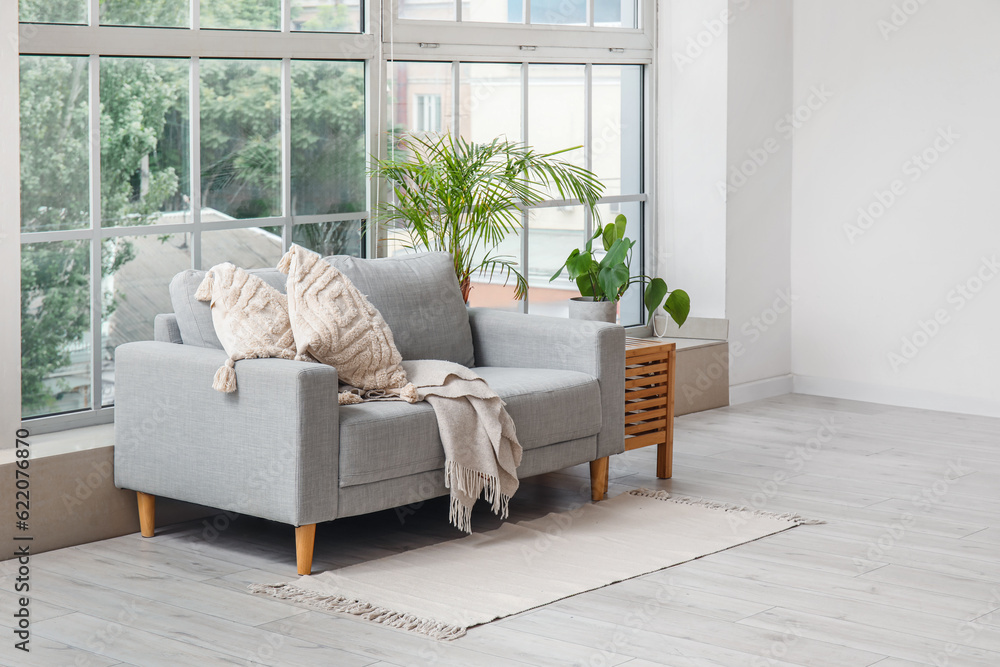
(647, 176)
(384, 39)
(194, 43)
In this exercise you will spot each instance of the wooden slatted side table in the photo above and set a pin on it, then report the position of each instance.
(649, 399)
(649, 407)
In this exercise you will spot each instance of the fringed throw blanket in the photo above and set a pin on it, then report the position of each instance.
(481, 450)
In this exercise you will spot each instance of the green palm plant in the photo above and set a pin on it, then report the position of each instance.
(465, 198)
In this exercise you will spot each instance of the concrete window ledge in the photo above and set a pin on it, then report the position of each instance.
(702, 374)
(65, 442)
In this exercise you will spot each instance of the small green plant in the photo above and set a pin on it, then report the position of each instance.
(608, 279)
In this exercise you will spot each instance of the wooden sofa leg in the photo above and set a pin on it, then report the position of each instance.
(599, 478)
(305, 538)
(147, 513)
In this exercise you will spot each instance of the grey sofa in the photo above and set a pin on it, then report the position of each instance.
(281, 448)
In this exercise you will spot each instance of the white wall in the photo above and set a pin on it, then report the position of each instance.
(10, 223)
(758, 184)
(689, 233)
(898, 87)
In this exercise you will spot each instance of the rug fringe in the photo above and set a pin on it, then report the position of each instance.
(797, 519)
(393, 619)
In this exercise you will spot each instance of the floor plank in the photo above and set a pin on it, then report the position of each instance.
(909, 646)
(127, 643)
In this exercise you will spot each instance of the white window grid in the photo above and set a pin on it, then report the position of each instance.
(385, 39)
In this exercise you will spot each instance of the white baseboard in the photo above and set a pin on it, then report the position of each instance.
(862, 391)
(759, 389)
(898, 396)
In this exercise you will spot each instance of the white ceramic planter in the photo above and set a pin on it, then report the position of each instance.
(585, 308)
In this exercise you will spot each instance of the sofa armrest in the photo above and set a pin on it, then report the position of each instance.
(165, 329)
(270, 449)
(534, 341)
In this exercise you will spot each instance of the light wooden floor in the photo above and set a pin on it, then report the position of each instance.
(906, 572)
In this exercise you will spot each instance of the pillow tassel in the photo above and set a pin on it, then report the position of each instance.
(409, 393)
(285, 263)
(348, 398)
(225, 377)
(204, 292)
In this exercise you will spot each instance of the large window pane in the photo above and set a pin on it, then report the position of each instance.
(421, 97)
(254, 248)
(559, 12)
(241, 14)
(552, 235)
(615, 13)
(160, 13)
(331, 238)
(137, 271)
(53, 11)
(490, 101)
(617, 128)
(145, 161)
(240, 138)
(55, 143)
(556, 116)
(56, 357)
(328, 137)
(431, 10)
(493, 11)
(326, 15)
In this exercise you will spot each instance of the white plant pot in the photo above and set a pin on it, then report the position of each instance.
(585, 308)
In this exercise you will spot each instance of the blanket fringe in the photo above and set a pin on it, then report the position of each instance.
(381, 615)
(797, 519)
(460, 515)
(472, 483)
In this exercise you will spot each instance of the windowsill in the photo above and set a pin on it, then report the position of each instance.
(65, 442)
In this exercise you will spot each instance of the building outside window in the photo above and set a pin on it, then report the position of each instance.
(428, 113)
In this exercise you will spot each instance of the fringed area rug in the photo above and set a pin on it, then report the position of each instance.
(442, 590)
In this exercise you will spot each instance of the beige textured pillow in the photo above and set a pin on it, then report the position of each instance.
(337, 325)
(250, 318)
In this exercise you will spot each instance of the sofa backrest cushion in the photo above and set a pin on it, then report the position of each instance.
(419, 297)
(194, 317)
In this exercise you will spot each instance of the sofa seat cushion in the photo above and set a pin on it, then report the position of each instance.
(388, 439)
